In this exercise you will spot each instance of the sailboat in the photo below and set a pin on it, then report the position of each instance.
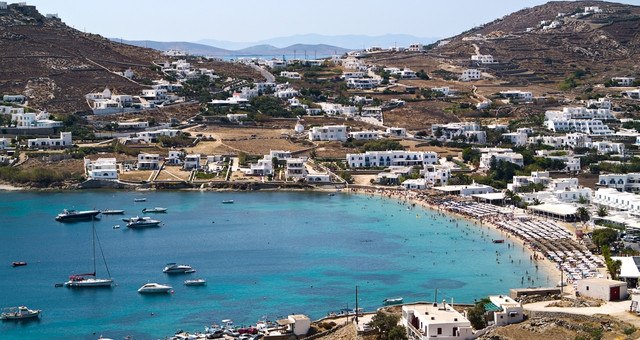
(90, 279)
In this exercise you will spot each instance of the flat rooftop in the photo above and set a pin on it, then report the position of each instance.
(430, 314)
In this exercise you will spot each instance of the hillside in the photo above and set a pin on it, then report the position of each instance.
(605, 44)
(55, 65)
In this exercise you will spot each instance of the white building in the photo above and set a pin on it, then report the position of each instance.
(470, 130)
(132, 125)
(290, 75)
(471, 74)
(364, 135)
(15, 98)
(362, 83)
(572, 140)
(44, 143)
(435, 321)
(511, 157)
(415, 48)
(237, 117)
(299, 324)
(328, 133)
(332, 109)
(536, 177)
(295, 168)
(148, 161)
(9, 110)
(396, 132)
(632, 94)
(465, 190)
(175, 157)
(516, 138)
(28, 120)
(612, 199)
(191, 162)
(622, 182)
(623, 81)
(286, 93)
(607, 147)
(600, 103)
(436, 174)
(102, 168)
(444, 90)
(588, 126)
(264, 167)
(415, 184)
(580, 113)
(152, 136)
(603, 289)
(517, 95)
(510, 311)
(376, 159)
(483, 58)
(280, 154)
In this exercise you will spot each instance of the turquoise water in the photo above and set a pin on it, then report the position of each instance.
(270, 253)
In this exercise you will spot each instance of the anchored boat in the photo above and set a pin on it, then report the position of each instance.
(19, 313)
(68, 215)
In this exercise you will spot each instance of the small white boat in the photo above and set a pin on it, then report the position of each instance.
(196, 282)
(394, 301)
(19, 313)
(141, 222)
(173, 268)
(154, 210)
(155, 288)
(117, 226)
(142, 199)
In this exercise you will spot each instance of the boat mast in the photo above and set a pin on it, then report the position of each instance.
(93, 239)
(102, 254)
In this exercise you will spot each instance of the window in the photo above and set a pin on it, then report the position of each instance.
(587, 287)
(439, 330)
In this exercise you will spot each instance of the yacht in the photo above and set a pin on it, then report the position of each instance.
(154, 210)
(155, 288)
(196, 282)
(173, 268)
(141, 222)
(142, 199)
(90, 280)
(74, 215)
(19, 313)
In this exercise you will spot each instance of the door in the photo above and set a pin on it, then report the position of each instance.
(614, 293)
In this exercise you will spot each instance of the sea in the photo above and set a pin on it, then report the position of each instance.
(267, 255)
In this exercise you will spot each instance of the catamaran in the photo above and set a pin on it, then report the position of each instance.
(89, 279)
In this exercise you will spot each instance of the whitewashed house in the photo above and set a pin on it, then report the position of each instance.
(536, 177)
(483, 58)
(132, 125)
(629, 182)
(364, 135)
(295, 168)
(436, 174)
(510, 311)
(30, 120)
(426, 321)
(517, 95)
(148, 161)
(328, 133)
(396, 132)
(191, 162)
(614, 200)
(607, 147)
(470, 75)
(152, 136)
(175, 157)
(511, 157)
(516, 138)
(290, 75)
(587, 126)
(102, 168)
(623, 81)
(374, 159)
(64, 141)
(470, 130)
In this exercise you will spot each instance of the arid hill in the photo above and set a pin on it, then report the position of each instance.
(55, 65)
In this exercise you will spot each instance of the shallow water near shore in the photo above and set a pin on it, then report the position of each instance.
(269, 253)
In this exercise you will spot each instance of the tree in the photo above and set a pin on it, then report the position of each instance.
(476, 314)
(583, 214)
(602, 211)
(604, 237)
(398, 332)
(384, 323)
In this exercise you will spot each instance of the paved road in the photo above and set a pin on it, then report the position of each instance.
(268, 76)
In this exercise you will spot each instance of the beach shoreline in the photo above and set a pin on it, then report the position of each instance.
(546, 265)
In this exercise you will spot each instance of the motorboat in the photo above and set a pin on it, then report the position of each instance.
(173, 268)
(154, 210)
(18, 264)
(196, 282)
(141, 199)
(393, 301)
(498, 241)
(227, 202)
(19, 313)
(68, 215)
(142, 222)
(155, 288)
(117, 226)
(112, 212)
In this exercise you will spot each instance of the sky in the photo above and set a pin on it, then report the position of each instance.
(255, 20)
